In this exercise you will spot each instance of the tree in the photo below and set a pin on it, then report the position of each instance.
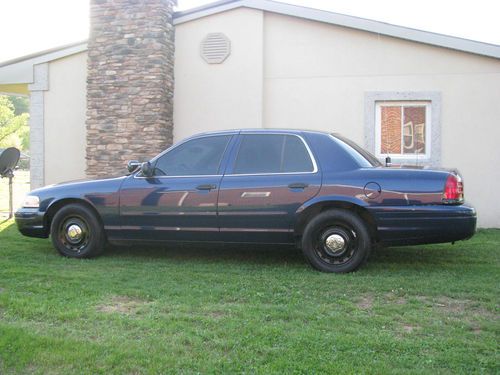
(21, 104)
(14, 129)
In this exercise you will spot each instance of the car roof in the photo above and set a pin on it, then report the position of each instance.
(262, 131)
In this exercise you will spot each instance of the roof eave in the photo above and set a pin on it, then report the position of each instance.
(440, 40)
(20, 70)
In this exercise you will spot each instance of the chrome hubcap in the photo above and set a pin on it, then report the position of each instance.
(74, 233)
(335, 243)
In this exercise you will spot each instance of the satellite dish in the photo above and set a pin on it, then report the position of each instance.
(8, 161)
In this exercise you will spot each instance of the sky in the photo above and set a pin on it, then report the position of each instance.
(28, 26)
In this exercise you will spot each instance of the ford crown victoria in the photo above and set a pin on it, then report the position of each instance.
(318, 191)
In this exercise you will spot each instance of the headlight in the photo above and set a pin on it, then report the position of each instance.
(31, 201)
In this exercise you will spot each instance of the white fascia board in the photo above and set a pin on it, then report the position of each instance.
(440, 40)
(21, 70)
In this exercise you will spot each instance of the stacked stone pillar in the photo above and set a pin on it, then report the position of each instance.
(130, 82)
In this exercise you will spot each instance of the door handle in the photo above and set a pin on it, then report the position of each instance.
(298, 185)
(206, 187)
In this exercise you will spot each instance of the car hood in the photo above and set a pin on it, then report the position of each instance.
(79, 188)
(85, 180)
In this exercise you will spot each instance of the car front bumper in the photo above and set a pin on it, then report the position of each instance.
(30, 222)
(412, 225)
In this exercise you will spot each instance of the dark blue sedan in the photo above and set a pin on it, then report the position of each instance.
(316, 190)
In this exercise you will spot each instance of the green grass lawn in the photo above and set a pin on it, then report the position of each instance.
(186, 309)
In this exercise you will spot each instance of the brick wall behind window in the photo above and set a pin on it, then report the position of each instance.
(390, 142)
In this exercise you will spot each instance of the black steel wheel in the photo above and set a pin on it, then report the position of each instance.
(336, 241)
(76, 232)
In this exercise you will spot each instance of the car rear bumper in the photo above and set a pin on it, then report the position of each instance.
(30, 222)
(412, 225)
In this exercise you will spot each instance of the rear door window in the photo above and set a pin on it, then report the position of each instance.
(296, 157)
(272, 153)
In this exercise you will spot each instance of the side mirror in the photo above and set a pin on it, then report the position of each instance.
(147, 169)
(388, 161)
(132, 165)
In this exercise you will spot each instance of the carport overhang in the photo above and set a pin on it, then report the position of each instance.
(15, 89)
(29, 76)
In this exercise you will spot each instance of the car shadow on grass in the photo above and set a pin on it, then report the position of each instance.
(413, 257)
(443, 256)
(261, 254)
(241, 254)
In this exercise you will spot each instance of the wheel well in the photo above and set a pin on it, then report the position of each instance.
(317, 208)
(54, 207)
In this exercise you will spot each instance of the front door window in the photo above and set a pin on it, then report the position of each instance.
(197, 157)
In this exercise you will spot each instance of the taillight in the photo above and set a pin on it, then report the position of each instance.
(453, 190)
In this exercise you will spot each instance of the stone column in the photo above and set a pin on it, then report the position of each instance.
(130, 82)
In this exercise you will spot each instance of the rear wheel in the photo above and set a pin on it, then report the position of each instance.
(336, 241)
(76, 232)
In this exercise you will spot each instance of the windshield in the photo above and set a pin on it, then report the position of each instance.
(365, 158)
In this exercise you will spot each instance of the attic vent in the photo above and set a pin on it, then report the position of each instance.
(215, 48)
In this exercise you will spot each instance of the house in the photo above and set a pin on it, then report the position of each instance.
(148, 76)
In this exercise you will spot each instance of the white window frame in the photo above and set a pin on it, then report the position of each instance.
(434, 140)
(428, 128)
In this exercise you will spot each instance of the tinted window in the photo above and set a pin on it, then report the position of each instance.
(363, 157)
(296, 157)
(272, 153)
(196, 157)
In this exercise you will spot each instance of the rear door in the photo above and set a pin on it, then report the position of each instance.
(270, 175)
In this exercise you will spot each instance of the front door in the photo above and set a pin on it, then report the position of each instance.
(270, 177)
(179, 202)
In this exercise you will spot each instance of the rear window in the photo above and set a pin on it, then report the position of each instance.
(272, 153)
(363, 157)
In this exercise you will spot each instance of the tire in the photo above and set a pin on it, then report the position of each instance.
(76, 232)
(349, 242)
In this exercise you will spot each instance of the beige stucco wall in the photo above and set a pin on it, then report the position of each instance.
(290, 72)
(219, 96)
(64, 119)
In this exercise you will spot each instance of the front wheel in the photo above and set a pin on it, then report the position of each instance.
(76, 232)
(336, 241)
